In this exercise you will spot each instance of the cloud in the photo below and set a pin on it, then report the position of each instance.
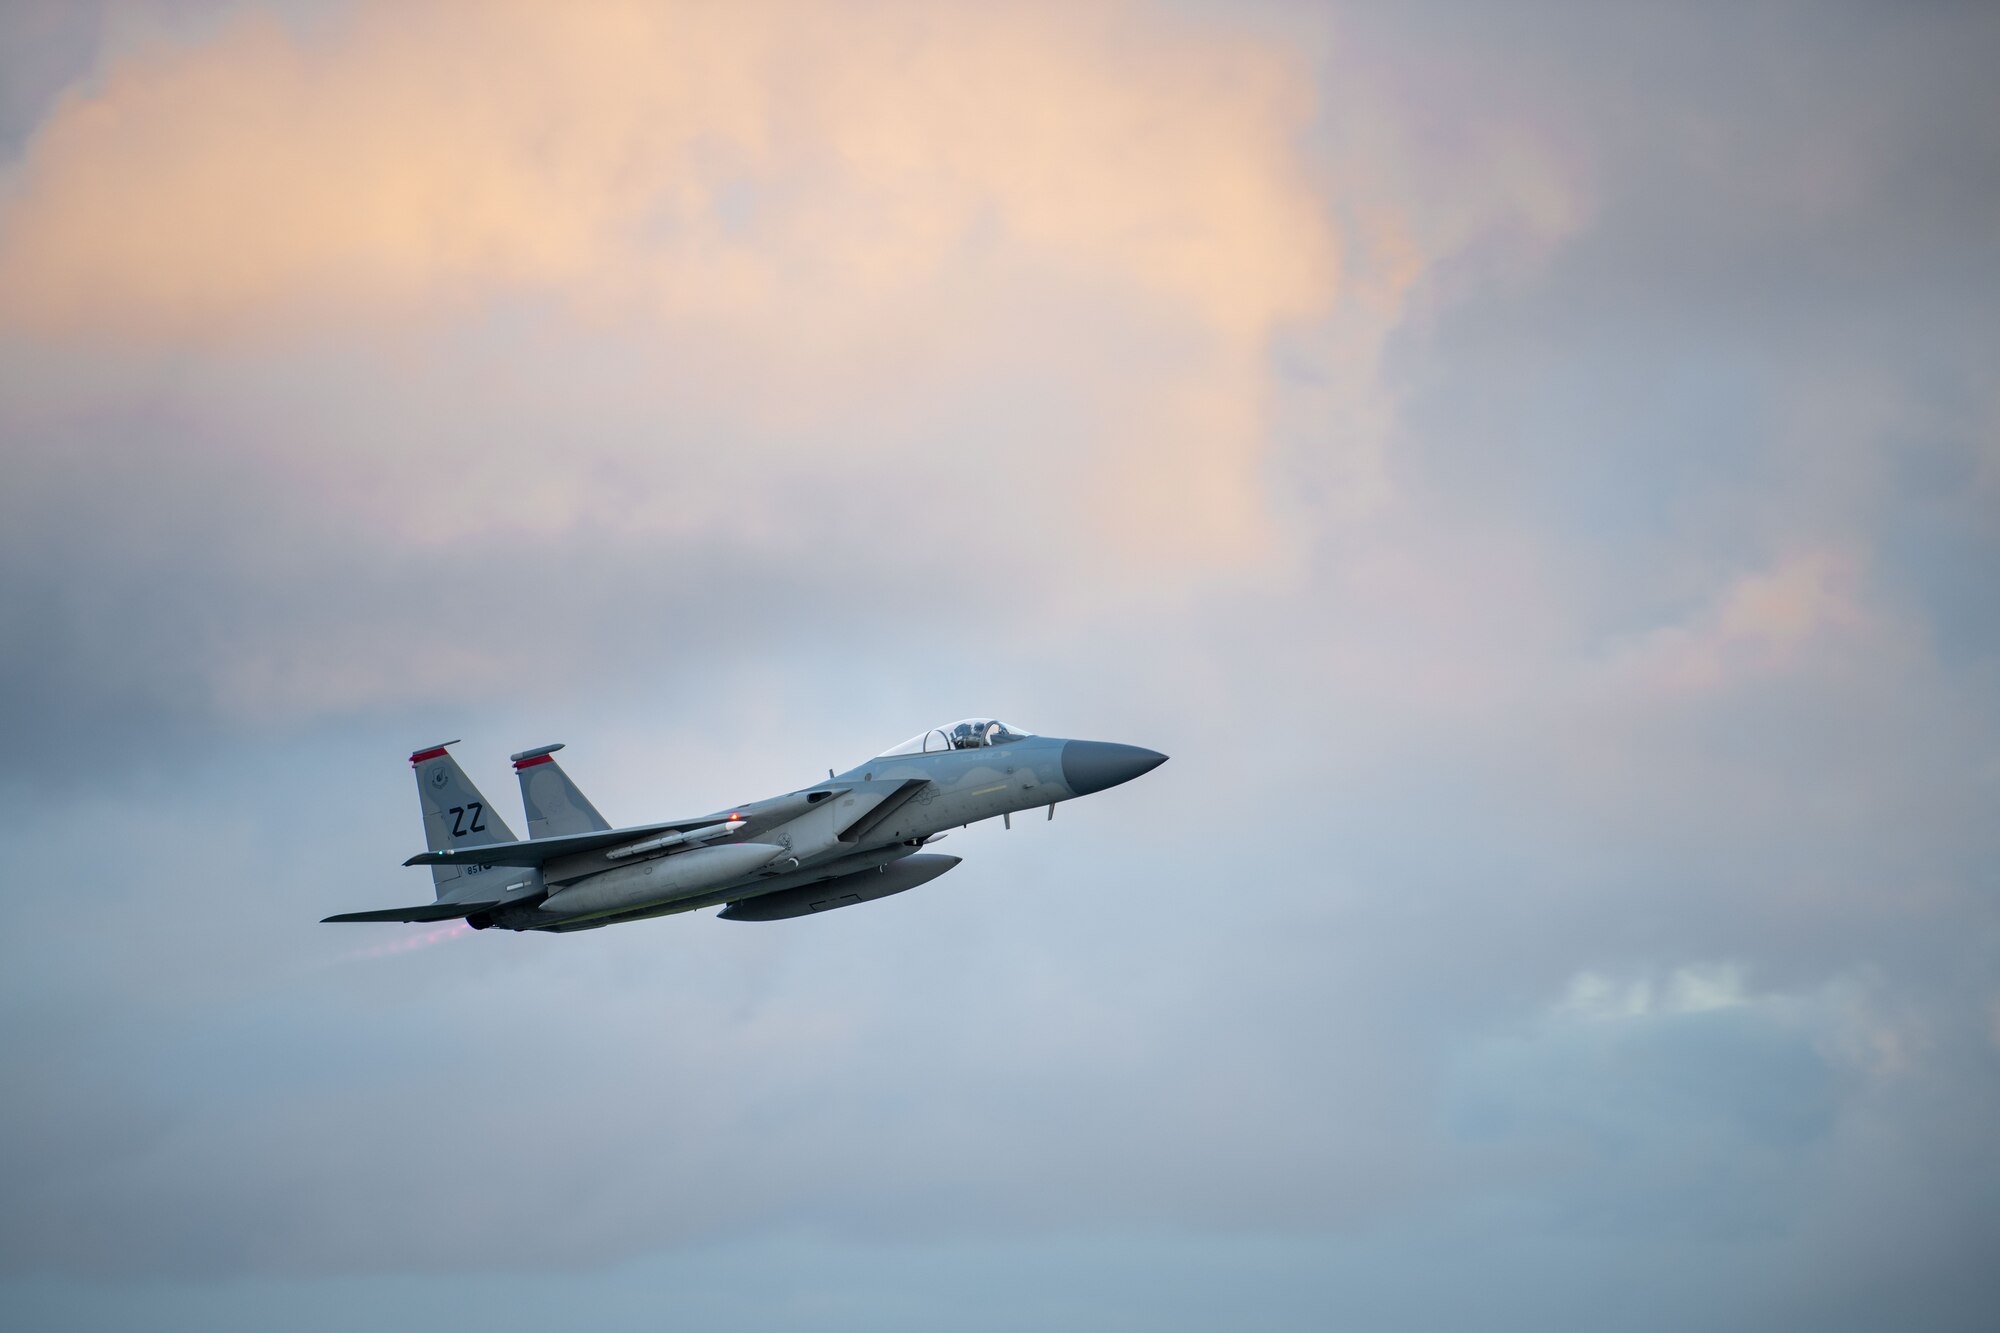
(1693, 989)
(1559, 595)
(835, 203)
(329, 337)
(1852, 1021)
(1763, 624)
(673, 159)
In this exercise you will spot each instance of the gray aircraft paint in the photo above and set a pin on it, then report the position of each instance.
(830, 845)
(659, 879)
(553, 803)
(456, 814)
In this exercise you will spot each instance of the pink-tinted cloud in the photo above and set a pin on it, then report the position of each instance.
(828, 203)
(1767, 623)
(679, 157)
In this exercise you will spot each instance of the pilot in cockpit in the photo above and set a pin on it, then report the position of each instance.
(978, 732)
(972, 733)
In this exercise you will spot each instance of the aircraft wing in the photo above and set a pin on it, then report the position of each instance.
(536, 851)
(749, 820)
(450, 909)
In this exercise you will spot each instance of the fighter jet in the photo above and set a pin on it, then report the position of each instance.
(852, 839)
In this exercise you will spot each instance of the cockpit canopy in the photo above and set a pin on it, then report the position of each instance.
(970, 734)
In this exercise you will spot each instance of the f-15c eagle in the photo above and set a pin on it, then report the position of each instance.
(850, 839)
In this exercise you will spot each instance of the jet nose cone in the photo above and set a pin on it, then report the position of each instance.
(1090, 766)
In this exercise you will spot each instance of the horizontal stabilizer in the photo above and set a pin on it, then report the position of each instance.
(425, 912)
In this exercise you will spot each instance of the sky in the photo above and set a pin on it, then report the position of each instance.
(1536, 470)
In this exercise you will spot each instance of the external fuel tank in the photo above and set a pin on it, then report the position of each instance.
(662, 879)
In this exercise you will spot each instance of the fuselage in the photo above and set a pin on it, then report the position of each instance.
(874, 814)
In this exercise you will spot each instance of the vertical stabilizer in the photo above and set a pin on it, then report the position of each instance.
(555, 807)
(455, 815)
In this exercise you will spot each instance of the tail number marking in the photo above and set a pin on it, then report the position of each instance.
(458, 813)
